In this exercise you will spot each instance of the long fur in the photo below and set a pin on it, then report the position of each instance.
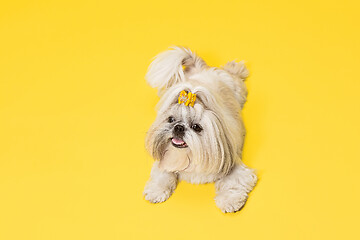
(215, 152)
(167, 68)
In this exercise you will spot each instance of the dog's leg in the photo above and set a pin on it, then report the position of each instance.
(232, 190)
(160, 186)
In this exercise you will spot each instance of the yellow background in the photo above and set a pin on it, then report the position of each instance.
(74, 110)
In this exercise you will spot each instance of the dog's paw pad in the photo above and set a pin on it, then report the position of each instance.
(230, 203)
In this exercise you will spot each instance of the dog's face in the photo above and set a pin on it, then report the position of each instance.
(197, 138)
(203, 138)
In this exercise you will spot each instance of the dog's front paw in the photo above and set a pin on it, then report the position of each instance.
(230, 202)
(156, 194)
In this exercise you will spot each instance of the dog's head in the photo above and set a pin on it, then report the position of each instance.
(203, 134)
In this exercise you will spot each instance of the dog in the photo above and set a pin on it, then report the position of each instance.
(198, 133)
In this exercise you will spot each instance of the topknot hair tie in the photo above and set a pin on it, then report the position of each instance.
(187, 98)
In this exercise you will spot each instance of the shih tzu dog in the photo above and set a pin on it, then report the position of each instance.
(198, 133)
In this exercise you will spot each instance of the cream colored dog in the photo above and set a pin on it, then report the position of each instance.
(198, 133)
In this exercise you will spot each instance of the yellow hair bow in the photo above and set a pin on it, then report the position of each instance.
(187, 98)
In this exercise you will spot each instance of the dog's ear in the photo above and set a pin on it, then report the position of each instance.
(169, 67)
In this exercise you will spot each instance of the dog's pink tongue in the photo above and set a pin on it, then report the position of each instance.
(177, 141)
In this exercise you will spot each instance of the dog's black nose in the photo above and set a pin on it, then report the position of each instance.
(179, 130)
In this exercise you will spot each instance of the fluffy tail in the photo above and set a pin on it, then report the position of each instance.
(168, 67)
(239, 70)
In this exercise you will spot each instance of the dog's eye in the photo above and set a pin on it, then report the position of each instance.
(171, 119)
(197, 127)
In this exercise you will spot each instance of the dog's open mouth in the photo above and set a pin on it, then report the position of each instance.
(179, 143)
